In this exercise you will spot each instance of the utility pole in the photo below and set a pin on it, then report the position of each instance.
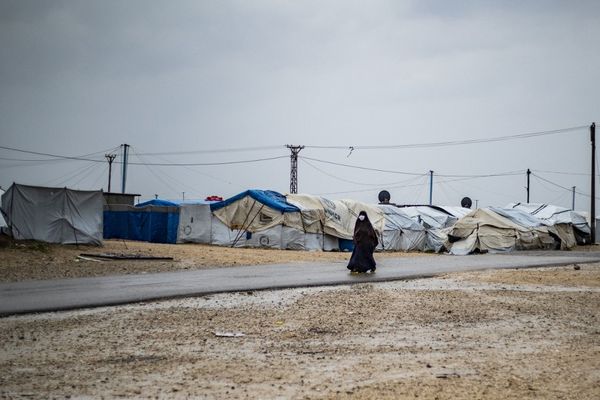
(124, 170)
(110, 158)
(528, 174)
(294, 167)
(593, 199)
(573, 206)
(430, 187)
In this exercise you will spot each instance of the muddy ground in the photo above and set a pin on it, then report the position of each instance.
(512, 334)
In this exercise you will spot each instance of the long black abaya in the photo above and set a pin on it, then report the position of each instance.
(365, 241)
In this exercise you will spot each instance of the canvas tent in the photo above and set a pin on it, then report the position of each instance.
(486, 230)
(562, 218)
(54, 215)
(561, 234)
(401, 232)
(332, 221)
(437, 222)
(258, 218)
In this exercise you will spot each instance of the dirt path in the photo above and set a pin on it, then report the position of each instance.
(495, 335)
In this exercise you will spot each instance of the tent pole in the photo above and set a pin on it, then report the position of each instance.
(593, 182)
(125, 160)
(430, 187)
(528, 175)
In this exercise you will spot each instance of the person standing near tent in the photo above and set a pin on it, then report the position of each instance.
(365, 240)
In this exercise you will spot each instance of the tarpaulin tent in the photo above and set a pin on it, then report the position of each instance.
(334, 217)
(258, 218)
(401, 232)
(560, 217)
(437, 222)
(154, 221)
(552, 235)
(486, 230)
(54, 215)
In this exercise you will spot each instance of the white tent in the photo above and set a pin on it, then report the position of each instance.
(563, 235)
(486, 230)
(558, 216)
(331, 222)
(334, 217)
(195, 223)
(55, 215)
(401, 232)
(259, 218)
(437, 221)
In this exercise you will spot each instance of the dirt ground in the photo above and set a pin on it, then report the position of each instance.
(25, 260)
(508, 334)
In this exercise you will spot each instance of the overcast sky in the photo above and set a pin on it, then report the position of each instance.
(184, 78)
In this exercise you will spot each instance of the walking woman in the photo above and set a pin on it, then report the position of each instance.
(365, 240)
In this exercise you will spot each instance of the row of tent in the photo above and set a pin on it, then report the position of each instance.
(263, 218)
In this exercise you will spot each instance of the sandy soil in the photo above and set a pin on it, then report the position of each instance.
(507, 334)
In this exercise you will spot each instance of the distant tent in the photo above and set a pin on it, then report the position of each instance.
(495, 230)
(401, 232)
(332, 221)
(437, 221)
(258, 218)
(54, 215)
(157, 203)
(559, 217)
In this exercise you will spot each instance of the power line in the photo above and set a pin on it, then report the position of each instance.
(508, 173)
(80, 158)
(231, 150)
(363, 168)
(195, 171)
(561, 173)
(456, 142)
(353, 182)
(131, 163)
(562, 187)
(208, 164)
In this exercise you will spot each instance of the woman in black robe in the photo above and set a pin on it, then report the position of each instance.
(365, 240)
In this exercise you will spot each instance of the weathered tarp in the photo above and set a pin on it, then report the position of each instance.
(559, 217)
(437, 222)
(54, 215)
(263, 218)
(156, 224)
(158, 203)
(256, 210)
(401, 232)
(486, 230)
(334, 217)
